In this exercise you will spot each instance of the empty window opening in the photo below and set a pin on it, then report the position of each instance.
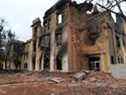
(120, 60)
(118, 41)
(34, 46)
(1, 66)
(59, 63)
(60, 18)
(94, 63)
(45, 41)
(59, 39)
(112, 60)
(25, 66)
(47, 23)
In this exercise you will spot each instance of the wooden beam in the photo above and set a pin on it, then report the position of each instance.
(122, 15)
(118, 4)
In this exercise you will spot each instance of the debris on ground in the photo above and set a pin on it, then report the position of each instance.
(49, 83)
(80, 76)
(56, 80)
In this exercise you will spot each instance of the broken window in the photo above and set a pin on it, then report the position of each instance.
(120, 60)
(94, 63)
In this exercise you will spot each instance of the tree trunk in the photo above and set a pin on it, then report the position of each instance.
(5, 61)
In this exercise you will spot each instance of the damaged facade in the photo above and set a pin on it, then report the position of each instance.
(119, 68)
(71, 39)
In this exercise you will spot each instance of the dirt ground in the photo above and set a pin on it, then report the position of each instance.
(45, 83)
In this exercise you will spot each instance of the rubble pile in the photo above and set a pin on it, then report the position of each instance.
(100, 76)
(46, 83)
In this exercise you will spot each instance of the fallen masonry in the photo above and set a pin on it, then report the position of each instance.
(80, 76)
(46, 83)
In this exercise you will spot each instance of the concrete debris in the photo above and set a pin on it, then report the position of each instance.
(86, 71)
(57, 80)
(92, 79)
(46, 83)
(80, 76)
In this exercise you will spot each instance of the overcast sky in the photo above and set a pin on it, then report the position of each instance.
(20, 13)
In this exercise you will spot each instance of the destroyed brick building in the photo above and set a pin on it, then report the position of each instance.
(74, 37)
(27, 53)
(70, 39)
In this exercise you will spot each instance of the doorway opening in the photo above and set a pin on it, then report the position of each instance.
(1, 66)
(58, 62)
(25, 66)
(46, 61)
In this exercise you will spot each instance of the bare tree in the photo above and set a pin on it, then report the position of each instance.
(10, 37)
(2, 31)
(6, 39)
